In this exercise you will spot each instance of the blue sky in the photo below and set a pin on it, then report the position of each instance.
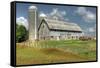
(85, 17)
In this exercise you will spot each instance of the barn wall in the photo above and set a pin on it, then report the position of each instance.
(43, 31)
(46, 34)
(59, 35)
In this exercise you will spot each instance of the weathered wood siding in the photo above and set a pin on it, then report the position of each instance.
(43, 31)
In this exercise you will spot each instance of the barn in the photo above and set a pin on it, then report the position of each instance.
(45, 28)
(53, 29)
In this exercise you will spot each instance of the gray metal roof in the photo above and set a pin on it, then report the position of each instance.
(61, 25)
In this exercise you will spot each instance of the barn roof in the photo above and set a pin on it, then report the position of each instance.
(61, 25)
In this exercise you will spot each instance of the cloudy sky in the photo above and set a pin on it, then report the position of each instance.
(85, 17)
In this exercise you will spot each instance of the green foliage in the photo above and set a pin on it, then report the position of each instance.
(21, 33)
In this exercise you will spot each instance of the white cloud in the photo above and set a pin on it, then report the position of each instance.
(63, 13)
(91, 30)
(87, 15)
(54, 11)
(42, 14)
(22, 21)
(57, 14)
(81, 10)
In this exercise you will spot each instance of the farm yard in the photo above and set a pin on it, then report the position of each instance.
(53, 51)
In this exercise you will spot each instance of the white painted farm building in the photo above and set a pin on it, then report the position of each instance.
(44, 28)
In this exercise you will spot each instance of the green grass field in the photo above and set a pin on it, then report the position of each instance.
(56, 52)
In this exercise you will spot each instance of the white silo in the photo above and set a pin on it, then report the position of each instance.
(33, 23)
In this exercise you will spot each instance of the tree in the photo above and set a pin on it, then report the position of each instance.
(21, 33)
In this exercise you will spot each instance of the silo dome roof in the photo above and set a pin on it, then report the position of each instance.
(32, 7)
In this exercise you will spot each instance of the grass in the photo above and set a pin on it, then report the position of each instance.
(56, 52)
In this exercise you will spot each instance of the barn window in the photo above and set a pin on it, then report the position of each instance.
(77, 37)
(72, 37)
(52, 36)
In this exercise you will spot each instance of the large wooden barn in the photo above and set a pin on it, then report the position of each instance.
(44, 28)
(58, 30)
